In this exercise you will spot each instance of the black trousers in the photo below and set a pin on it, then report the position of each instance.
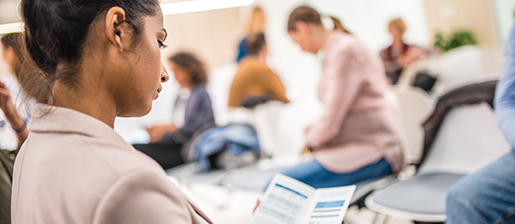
(168, 155)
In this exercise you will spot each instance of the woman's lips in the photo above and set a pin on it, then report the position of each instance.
(158, 91)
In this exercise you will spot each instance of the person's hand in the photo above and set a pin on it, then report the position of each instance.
(411, 55)
(157, 132)
(5, 98)
(257, 205)
(307, 130)
(307, 150)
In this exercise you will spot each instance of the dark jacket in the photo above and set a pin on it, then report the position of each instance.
(199, 113)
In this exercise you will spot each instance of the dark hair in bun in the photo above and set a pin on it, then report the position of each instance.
(55, 30)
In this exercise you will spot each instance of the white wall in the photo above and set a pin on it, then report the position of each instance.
(367, 19)
(504, 10)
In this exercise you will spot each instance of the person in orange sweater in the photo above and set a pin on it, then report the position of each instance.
(255, 82)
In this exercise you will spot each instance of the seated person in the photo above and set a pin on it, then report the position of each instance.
(256, 25)
(192, 111)
(357, 136)
(255, 81)
(399, 55)
(488, 195)
(14, 54)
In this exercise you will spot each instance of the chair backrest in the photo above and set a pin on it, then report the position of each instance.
(468, 139)
(466, 65)
(293, 120)
(415, 107)
(266, 116)
(220, 80)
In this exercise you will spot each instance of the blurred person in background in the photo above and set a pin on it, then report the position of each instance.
(255, 82)
(357, 137)
(14, 55)
(399, 55)
(256, 25)
(192, 111)
(488, 195)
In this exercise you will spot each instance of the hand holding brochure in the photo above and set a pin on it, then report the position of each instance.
(289, 201)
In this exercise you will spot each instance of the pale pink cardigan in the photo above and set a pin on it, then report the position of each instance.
(358, 126)
(74, 169)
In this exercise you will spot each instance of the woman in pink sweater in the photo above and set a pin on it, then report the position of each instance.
(357, 137)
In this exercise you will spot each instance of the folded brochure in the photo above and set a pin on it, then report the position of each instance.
(289, 201)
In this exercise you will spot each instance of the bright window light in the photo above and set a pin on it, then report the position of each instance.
(10, 28)
(201, 5)
(168, 9)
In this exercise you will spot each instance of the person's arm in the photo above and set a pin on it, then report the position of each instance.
(17, 122)
(505, 92)
(157, 132)
(144, 197)
(273, 84)
(341, 92)
(201, 114)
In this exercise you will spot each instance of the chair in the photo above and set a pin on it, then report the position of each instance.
(415, 107)
(467, 140)
(466, 65)
(266, 116)
(187, 174)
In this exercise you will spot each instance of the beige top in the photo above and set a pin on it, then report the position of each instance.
(358, 126)
(255, 79)
(74, 169)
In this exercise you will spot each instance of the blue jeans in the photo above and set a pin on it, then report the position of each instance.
(486, 196)
(314, 174)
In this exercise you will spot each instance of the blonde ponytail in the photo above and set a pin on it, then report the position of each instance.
(338, 25)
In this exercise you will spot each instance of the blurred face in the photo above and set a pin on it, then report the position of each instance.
(303, 36)
(7, 56)
(259, 22)
(181, 75)
(396, 34)
(142, 81)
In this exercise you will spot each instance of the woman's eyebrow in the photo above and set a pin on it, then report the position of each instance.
(166, 34)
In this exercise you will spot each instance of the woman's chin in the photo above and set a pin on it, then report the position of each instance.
(136, 112)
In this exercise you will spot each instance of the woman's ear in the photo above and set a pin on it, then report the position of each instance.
(301, 27)
(118, 31)
(9, 56)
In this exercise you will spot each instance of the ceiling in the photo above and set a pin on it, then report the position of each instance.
(9, 10)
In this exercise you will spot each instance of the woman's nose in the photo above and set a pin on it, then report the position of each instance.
(164, 74)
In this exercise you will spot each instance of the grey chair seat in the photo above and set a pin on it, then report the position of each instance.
(251, 179)
(188, 174)
(366, 186)
(420, 198)
(255, 179)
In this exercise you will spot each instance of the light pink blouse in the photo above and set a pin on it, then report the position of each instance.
(74, 169)
(358, 126)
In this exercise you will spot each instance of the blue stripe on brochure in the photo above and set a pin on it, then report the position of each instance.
(289, 189)
(324, 216)
(332, 210)
(330, 204)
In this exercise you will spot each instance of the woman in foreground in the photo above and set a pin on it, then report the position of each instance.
(101, 60)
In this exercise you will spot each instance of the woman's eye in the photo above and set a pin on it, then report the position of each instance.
(161, 44)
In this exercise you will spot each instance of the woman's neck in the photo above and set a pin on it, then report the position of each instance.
(398, 43)
(322, 37)
(87, 99)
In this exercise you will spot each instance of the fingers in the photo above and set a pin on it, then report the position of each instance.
(257, 205)
(4, 92)
(155, 133)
